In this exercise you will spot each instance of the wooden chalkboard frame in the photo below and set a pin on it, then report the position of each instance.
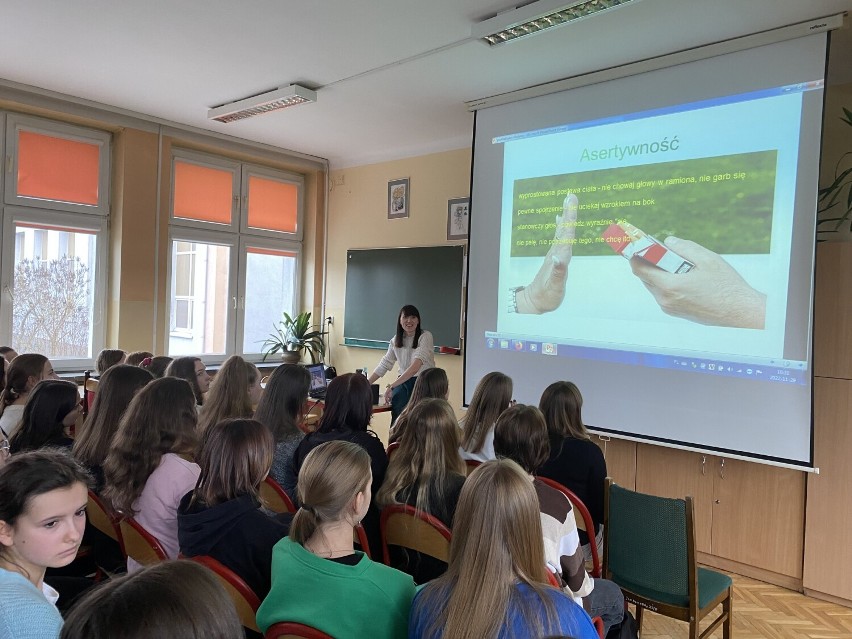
(380, 281)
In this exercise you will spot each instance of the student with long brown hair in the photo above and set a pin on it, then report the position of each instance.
(496, 583)
(493, 395)
(92, 441)
(318, 564)
(521, 435)
(233, 393)
(574, 461)
(22, 375)
(432, 382)
(280, 410)
(194, 371)
(146, 469)
(426, 472)
(108, 358)
(170, 599)
(222, 517)
(52, 408)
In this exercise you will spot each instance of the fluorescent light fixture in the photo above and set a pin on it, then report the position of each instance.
(537, 17)
(262, 103)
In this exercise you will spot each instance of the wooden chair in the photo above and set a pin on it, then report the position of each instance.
(245, 600)
(471, 465)
(391, 448)
(584, 522)
(553, 580)
(139, 544)
(649, 551)
(275, 498)
(291, 630)
(103, 517)
(405, 526)
(360, 538)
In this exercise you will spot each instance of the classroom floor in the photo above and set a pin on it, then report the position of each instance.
(765, 611)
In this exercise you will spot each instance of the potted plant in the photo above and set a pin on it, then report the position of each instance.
(833, 195)
(293, 336)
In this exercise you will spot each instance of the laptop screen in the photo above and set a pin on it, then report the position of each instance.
(317, 372)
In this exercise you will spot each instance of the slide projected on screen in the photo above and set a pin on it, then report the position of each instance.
(714, 175)
(651, 239)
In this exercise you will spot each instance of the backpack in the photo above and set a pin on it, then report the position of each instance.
(627, 629)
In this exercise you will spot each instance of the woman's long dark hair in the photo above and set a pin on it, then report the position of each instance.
(408, 311)
(49, 403)
(282, 400)
(184, 368)
(348, 404)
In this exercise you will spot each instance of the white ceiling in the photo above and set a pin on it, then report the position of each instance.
(392, 75)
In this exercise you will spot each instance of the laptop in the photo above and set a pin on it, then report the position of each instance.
(318, 381)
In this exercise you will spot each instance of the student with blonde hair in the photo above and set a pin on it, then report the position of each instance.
(493, 395)
(426, 472)
(146, 471)
(222, 517)
(234, 392)
(496, 586)
(431, 383)
(317, 564)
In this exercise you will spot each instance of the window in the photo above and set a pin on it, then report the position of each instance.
(53, 249)
(235, 236)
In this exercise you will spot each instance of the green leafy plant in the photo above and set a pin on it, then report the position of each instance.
(832, 196)
(296, 335)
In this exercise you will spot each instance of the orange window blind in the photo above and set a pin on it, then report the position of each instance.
(272, 205)
(203, 193)
(52, 168)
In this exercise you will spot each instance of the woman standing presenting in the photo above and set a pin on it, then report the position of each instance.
(414, 349)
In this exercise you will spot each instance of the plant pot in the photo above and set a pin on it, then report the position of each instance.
(290, 357)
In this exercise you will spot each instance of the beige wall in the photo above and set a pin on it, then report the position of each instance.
(358, 219)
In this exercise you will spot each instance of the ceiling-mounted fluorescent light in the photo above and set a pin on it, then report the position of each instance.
(537, 17)
(263, 103)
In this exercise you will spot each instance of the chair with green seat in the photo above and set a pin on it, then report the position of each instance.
(649, 551)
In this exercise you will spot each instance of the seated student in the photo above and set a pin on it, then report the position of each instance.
(135, 358)
(432, 382)
(92, 441)
(193, 370)
(317, 577)
(222, 517)
(233, 393)
(574, 461)
(23, 374)
(53, 407)
(8, 353)
(108, 358)
(425, 472)
(493, 395)
(156, 365)
(496, 583)
(280, 410)
(169, 599)
(43, 496)
(347, 414)
(146, 473)
(521, 435)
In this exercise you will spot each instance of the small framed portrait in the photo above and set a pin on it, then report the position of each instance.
(398, 194)
(457, 218)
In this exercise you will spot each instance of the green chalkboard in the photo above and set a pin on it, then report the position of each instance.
(380, 281)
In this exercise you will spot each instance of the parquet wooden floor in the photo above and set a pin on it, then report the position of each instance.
(765, 611)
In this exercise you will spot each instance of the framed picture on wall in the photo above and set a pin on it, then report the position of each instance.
(457, 218)
(398, 194)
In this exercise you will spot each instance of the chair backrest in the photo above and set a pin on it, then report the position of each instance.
(290, 630)
(649, 542)
(359, 536)
(403, 525)
(139, 544)
(245, 600)
(391, 448)
(471, 464)
(275, 498)
(584, 521)
(102, 517)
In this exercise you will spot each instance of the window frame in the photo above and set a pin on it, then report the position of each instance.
(16, 122)
(12, 215)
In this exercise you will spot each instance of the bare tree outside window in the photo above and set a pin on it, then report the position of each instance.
(51, 307)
